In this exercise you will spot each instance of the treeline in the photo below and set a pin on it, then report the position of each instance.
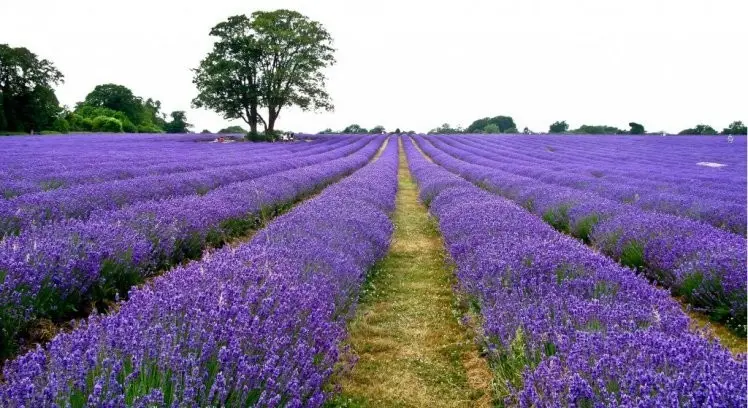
(356, 129)
(28, 103)
(505, 124)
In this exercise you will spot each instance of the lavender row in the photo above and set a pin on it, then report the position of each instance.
(564, 326)
(51, 271)
(35, 174)
(702, 263)
(682, 177)
(727, 214)
(257, 325)
(671, 160)
(79, 202)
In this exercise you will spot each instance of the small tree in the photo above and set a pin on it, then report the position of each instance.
(379, 129)
(178, 123)
(636, 128)
(558, 127)
(491, 128)
(735, 128)
(354, 128)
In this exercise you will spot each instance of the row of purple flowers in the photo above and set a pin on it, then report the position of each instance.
(683, 196)
(703, 264)
(563, 325)
(51, 272)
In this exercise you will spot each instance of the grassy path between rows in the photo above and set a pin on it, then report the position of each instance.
(411, 350)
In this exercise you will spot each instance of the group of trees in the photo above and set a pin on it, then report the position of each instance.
(28, 102)
(357, 129)
(505, 124)
(114, 108)
(269, 60)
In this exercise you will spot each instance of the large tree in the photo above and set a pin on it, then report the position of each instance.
(269, 60)
(27, 100)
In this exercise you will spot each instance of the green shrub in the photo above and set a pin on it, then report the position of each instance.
(107, 124)
(61, 125)
(129, 127)
(49, 132)
(149, 128)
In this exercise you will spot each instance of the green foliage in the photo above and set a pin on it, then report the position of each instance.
(445, 129)
(504, 123)
(233, 129)
(511, 130)
(178, 123)
(271, 59)
(119, 102)
(117, 98)
(598, 130)
(354, 128)
(491, 128)
(700, 129)
(149, 128)
(558, 127)
(379, 129)
(106, 124)
(27, 100)
(61, 125)
(735, 128)
(636, 128)
(206, 132)
(633, 255)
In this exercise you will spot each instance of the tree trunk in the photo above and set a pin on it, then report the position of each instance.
(253, 119)
(272, 116)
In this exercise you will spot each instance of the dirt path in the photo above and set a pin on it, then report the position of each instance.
(411, 350)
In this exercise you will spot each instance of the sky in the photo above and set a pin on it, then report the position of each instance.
(668, 64)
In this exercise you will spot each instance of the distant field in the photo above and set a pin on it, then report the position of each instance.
(171, 270)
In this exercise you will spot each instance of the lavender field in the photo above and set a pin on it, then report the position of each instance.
(170, 270)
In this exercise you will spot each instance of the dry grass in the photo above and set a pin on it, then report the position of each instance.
(411, 350)
(716, 331)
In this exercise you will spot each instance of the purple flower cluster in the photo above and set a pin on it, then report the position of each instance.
(80, 201)
(51, 269)
(255, 325)
(563, 325)
(703, 263)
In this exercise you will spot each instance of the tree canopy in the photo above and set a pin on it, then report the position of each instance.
(598, 130)
(27, 100)
(558, 127)
(270, 60)
(446, 129)
(636, 128)
(504, 123)
(735, 128)
(700, 129)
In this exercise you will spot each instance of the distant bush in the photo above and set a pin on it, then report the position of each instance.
(107, 124)
(129, 127)
(49, 132)
(149, 128)
(61, 125)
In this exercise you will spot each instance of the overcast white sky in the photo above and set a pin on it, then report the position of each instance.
(417, 64)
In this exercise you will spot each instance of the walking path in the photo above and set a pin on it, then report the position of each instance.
(411, 350)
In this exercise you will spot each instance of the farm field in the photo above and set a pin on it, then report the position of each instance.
(375, 270)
